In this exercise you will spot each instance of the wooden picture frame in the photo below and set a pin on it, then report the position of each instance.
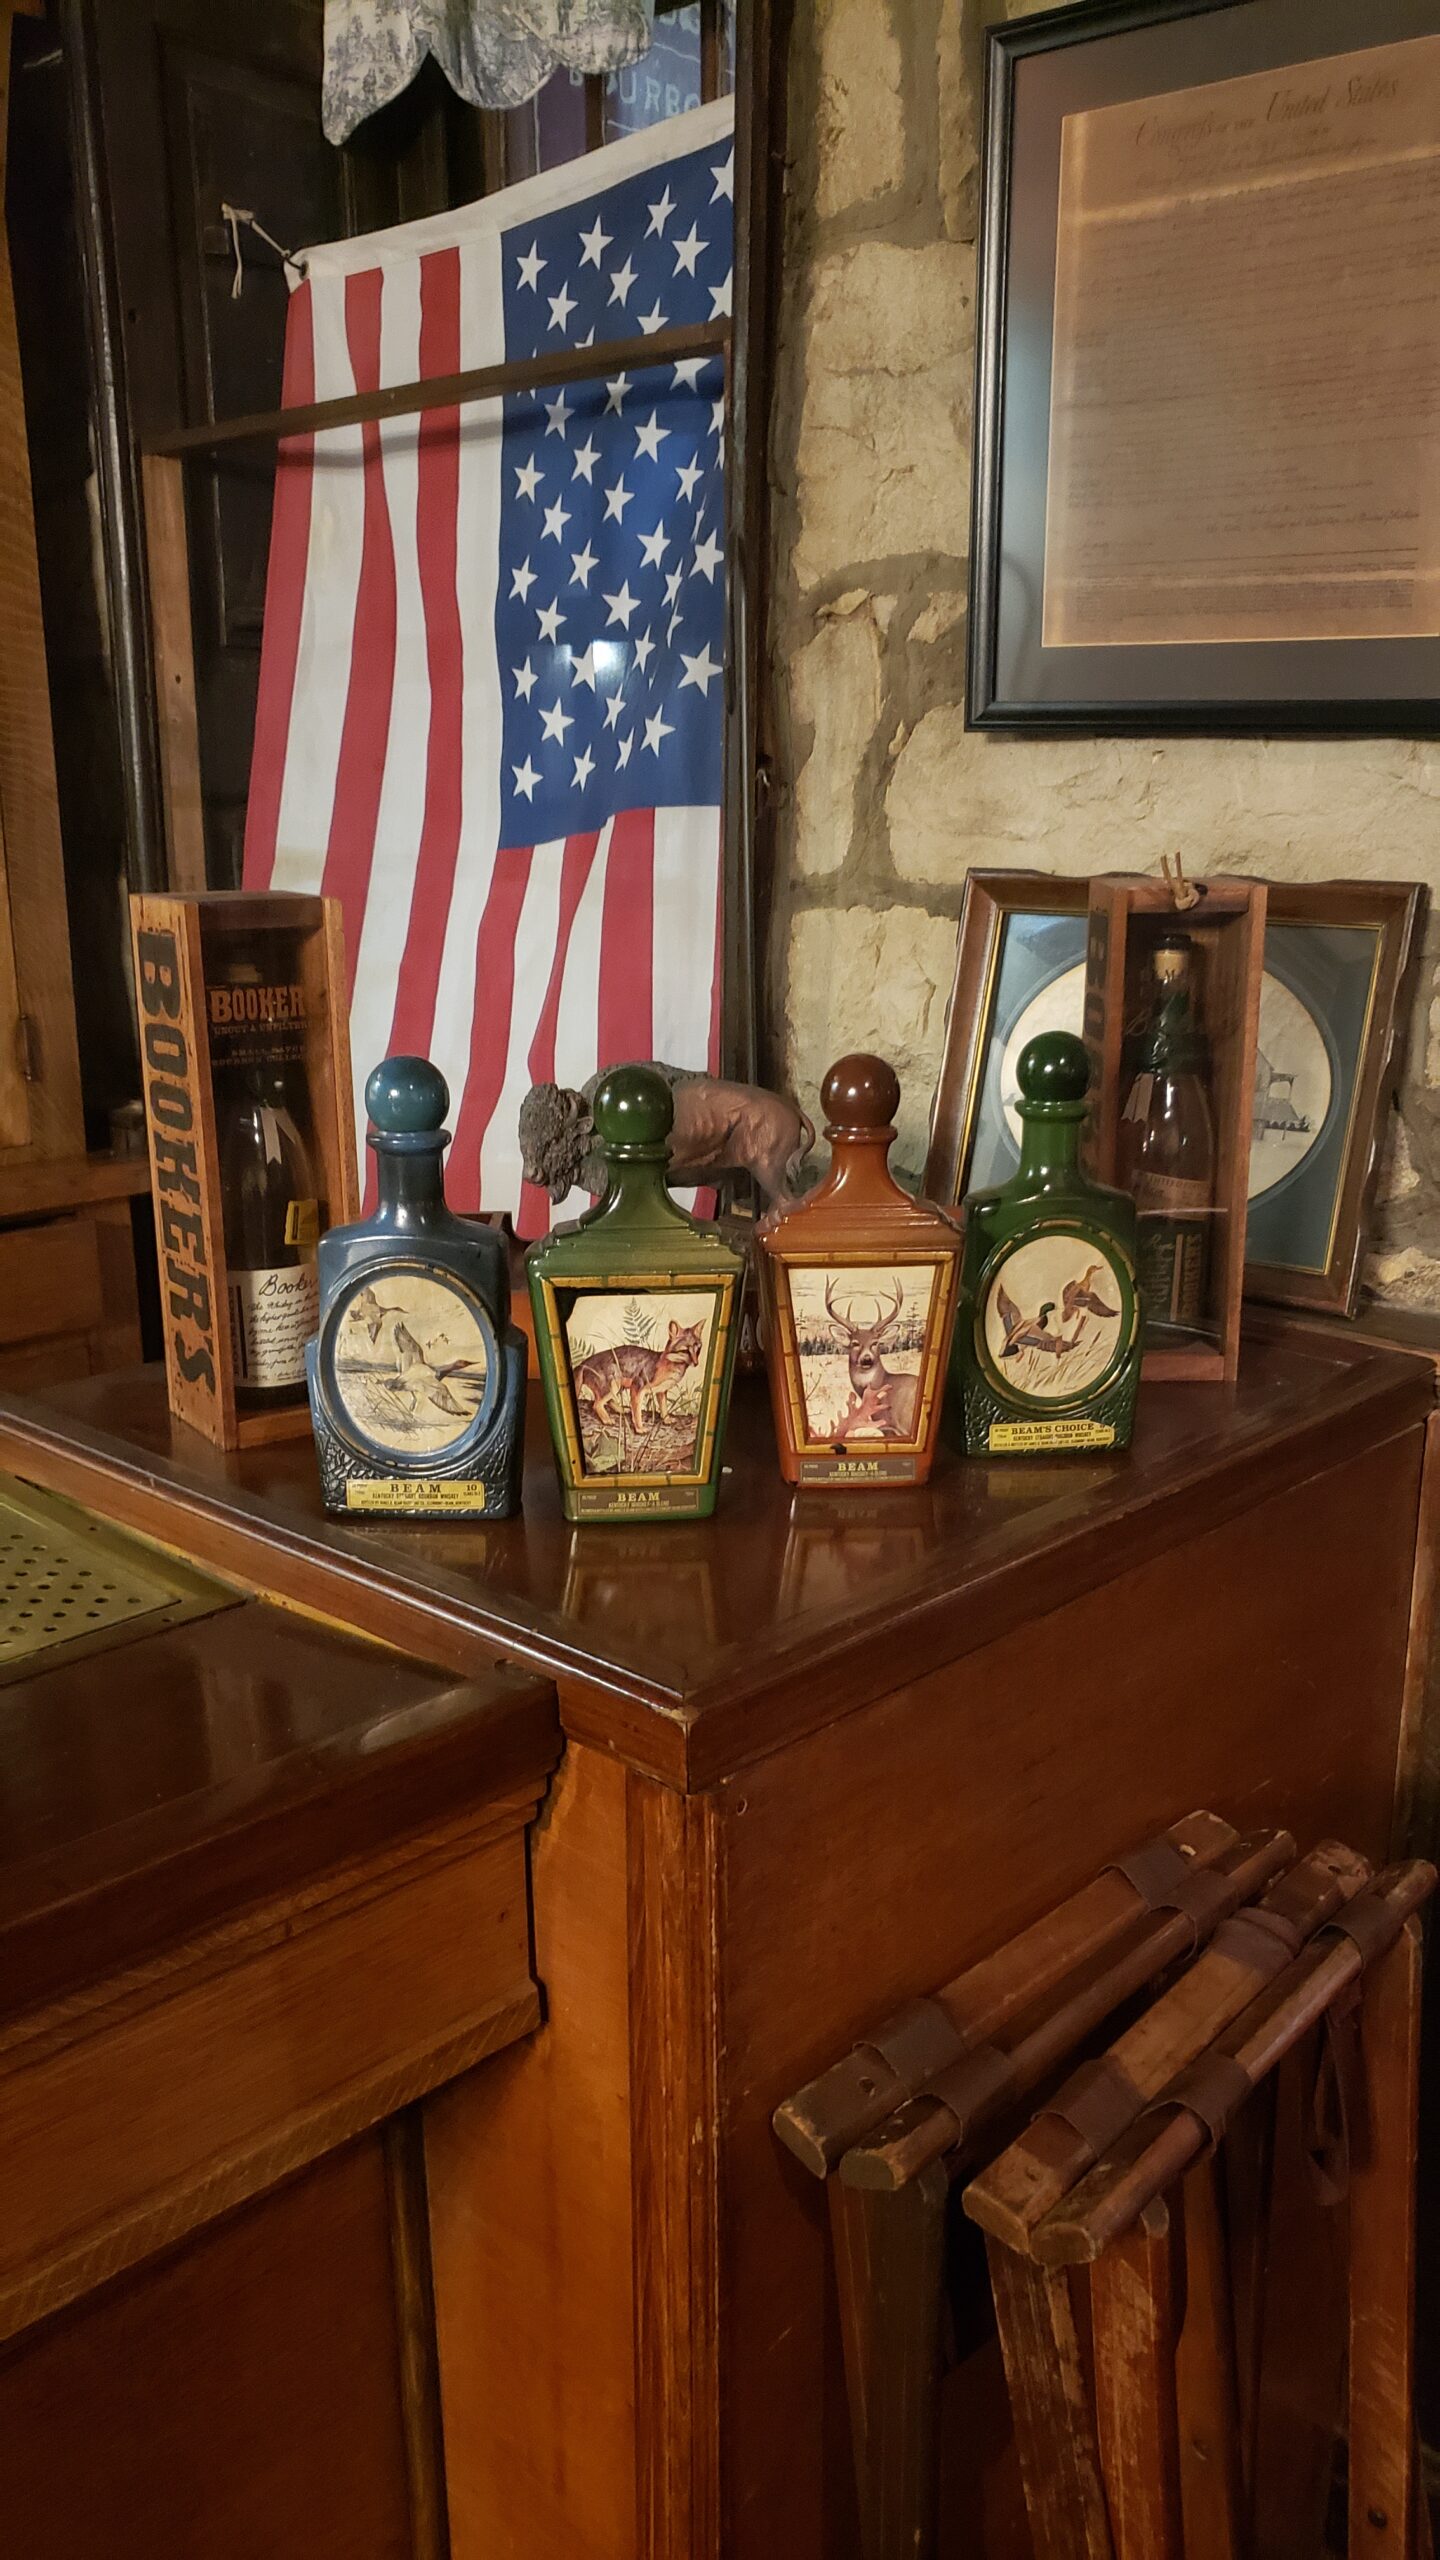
(1361, 1027)
(1021, 933)
(1126, 577)
(1365, 1070)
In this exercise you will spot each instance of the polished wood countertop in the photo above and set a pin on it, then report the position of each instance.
(155, 1789)
(691, 1651)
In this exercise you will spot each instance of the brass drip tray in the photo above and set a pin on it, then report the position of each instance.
(71, 1584)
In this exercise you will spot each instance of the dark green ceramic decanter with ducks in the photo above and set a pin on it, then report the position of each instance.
(1046, 1354)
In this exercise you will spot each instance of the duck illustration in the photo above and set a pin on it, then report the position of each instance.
(1079, 1295)
(366, 1309)
(417, 1379)
(1028, 1333)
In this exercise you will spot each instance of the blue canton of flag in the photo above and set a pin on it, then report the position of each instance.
(610, 609)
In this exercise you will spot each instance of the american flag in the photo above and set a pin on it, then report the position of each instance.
(491, 691)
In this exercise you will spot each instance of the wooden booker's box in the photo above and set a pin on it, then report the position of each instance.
(182, 945)
(1226, 927)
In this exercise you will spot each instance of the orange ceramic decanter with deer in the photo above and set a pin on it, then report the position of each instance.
(858, 1283)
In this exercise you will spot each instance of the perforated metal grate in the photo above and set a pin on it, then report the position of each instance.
(67, 1581)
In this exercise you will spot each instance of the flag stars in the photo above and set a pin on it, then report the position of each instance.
(551, 619)
(721, 297)
(688, 372)
(688, 250)
(622, 752)
(586, 457)
(644, 651)
(656, 730)
(525, 681)
(717, 416)
(556, 519)
(653, 546)
(689, 475)
(652, 320)
(583, 671)
(614, 710)
(673, 584)
(582, 564)
(555, 722)
(531, 266)
(558, 412)
(521, 581)
(649, 438)
(699, 671)
(615, 394)
(526, 778)
(724, 178)
(584, 767)
(561, 306)
(527, 478)
(617, 499)
(708, 556)
(660, 214)
(593, 244)
(621, 607)
(621, 280)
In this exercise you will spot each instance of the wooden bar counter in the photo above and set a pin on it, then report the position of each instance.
(818, 1756)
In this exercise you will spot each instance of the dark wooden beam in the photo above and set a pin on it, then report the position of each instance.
(447, 391)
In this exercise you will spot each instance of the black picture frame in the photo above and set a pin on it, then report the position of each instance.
(1038, 70)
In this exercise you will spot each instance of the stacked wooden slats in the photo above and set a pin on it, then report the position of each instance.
(1128, 2283)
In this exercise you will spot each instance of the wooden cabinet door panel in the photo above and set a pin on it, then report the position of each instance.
(39, 1061)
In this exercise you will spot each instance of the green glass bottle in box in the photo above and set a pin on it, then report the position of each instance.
(1046, 1353)
(637, 1311)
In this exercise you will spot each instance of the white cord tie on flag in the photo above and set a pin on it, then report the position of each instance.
(235, 214)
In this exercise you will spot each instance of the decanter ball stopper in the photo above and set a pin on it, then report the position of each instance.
(633, 1107)
(1055, 1067)
(405, 1096)
(861, 1093)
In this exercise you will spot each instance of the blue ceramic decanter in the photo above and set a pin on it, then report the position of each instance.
(416, 1374)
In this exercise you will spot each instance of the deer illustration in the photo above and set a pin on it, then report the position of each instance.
(881, 1399)
(630, 1372)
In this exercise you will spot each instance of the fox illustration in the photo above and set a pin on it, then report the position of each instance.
(630, 1372)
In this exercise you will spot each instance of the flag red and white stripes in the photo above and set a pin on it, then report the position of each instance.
(406, 667)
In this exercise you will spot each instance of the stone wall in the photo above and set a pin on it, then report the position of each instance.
(888, 800)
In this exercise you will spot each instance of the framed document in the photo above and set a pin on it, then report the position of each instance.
(1335, 997)
(1207, 475)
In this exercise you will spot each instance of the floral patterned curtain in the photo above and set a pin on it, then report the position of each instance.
(496, 53)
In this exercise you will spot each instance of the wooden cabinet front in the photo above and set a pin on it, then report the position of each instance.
(262, 1891)
(818, 1756)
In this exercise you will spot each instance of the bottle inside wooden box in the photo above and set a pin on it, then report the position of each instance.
(1171, 1021)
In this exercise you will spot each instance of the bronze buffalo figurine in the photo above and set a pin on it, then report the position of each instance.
(720, 1129)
